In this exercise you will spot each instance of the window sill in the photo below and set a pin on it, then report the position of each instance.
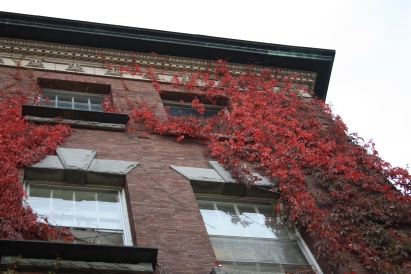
(66, 266)
(84, 258)
(77, 123)
(75, 117)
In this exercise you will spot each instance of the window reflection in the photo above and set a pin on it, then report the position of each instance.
(77, 207)
(234, 219)
(248, 236)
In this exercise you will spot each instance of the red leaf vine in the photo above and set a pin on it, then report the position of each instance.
(23, 143)
(298, 141)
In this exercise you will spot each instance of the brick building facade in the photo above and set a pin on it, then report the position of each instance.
(158, 190)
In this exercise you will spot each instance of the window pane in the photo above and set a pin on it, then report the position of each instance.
(273, 224)
(257, 250)
(81, 106)
(41, 206)
(62, 207)
(255, 222)
(81, 99)
(40, 200)
(226, 221)
(232, 222)
(63, 104)
(187, 111)
(211, 218)
(109, 210)
(86, 208)
(78, 207)
(96, 99)
(64, 97)
(108, 196)
(48, 98)
(262, 222)
(39, 192)
(181, 111)
(96, 107)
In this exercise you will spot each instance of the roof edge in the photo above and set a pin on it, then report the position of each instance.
(81, 33)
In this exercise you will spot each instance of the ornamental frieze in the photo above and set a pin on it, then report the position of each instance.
(35, 63)
(77, 57)
(75, 67)
(126, 58)
(113, 71)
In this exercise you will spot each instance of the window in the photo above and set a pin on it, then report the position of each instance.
(185, 109)
(179, 103)
(79, 104)
(248, 236)
(72, 94)
(94, 215)
(70, 100)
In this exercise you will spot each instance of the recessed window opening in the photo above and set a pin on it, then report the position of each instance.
(185, 109)
(179, 104)
(70, 100)
(68, 94)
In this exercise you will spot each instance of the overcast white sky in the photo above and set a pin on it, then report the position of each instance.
(369, 85)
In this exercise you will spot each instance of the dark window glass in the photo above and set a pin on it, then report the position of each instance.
(184, 109)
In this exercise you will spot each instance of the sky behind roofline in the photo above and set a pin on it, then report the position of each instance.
(369, 82)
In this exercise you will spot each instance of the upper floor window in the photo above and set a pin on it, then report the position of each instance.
(80, 104)
(71, 94)
(248, 236)
(70, 100)
(179, 104)
(185, 109)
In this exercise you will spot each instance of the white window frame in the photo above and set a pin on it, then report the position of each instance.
(295, 237)
(127, 238)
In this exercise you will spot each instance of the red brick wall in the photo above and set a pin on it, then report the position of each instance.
(164, 211)
(162, 206)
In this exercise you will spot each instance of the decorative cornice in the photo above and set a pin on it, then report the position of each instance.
(91, 57)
